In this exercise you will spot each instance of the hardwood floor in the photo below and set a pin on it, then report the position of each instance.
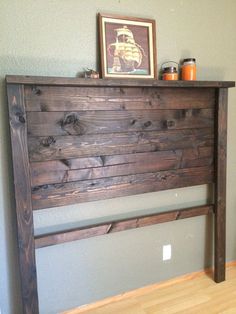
(191, 294)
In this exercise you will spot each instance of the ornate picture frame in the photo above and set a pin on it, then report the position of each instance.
(127, 47)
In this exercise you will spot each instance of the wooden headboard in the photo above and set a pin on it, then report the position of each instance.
(80, 140)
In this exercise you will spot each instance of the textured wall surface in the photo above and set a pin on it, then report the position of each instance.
(59, 38)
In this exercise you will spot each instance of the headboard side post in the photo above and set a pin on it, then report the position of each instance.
(26, 247)
(220, 183)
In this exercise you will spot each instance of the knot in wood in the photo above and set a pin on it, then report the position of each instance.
(48, 141)
(36, 188)
(170, 123)
(27, 215)
(147, 124)
(21, 119)
(70, 119)
(71, 124)
(163, 177)
(36, 90)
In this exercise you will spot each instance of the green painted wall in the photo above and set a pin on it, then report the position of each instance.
(58, 37)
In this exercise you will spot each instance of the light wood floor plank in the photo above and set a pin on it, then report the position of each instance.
(191, 294)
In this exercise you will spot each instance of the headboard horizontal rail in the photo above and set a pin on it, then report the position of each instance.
(120, 225)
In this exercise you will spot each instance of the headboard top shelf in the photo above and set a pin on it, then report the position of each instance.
(71, 81)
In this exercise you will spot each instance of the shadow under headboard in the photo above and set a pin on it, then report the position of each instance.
(80, 140)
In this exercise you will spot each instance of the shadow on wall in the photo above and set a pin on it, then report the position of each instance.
(209, 227)
(208, 262)
(205, 72)
(210, 73)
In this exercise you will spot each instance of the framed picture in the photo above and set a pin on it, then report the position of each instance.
(128, 47)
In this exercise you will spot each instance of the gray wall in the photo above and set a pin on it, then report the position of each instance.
(50, 37)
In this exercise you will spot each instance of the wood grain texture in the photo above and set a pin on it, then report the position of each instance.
(121, 225)
(66, 147)
(60, 171)
(109, 166)
(100, 122)
(90, 190)
(220, 185)
(23, 199)
(53, 98)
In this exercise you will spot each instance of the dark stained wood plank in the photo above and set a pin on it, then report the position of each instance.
(90, 190)
(94, 122)
(197, 157)
(106, 166)
(23, 199)
(103, 93)
(64, 147)
(51, 98)
(72, 81)
(71, 164)
(122, 165)
(220, 185)
(101, 161)
(121, 225)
